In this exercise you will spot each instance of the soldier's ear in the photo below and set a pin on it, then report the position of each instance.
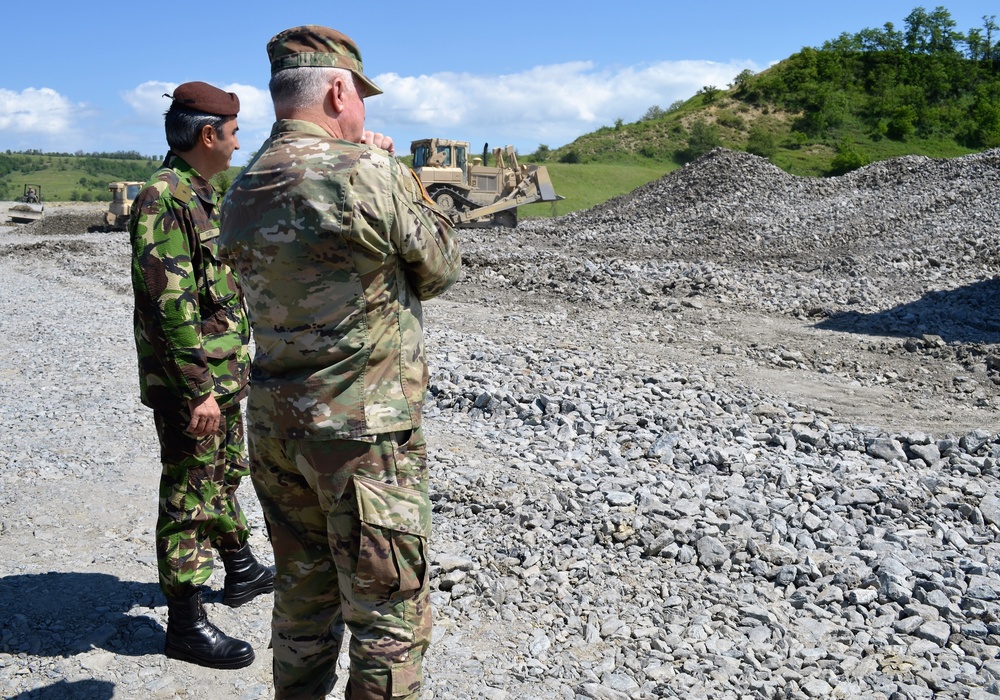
(338, 94)
(207, 135)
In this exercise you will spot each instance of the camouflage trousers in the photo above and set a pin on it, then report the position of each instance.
(349, 522)
(198, 508)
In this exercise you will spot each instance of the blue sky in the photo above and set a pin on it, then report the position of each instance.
(540, 72)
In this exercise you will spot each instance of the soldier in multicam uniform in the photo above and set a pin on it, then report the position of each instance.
(336, 245)
(191, 335)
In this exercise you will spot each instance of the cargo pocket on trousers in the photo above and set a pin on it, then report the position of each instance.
(406, 678)
(395, 524)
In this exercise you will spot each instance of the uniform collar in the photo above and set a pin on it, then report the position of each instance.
(285, 126)
(199, 185)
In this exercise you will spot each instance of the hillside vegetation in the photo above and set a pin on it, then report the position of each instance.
(927, 89)
(65, 177)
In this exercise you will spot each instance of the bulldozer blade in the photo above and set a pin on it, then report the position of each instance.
(545, 188)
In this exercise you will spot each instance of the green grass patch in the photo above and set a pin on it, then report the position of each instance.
(586, 185)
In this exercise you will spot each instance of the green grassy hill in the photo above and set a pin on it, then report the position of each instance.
(696, 127)
(881, 93)
(68, 177)
(79, 177)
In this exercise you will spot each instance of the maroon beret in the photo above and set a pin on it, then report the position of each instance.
(207, 98)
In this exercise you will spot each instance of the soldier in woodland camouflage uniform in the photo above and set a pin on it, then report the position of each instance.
(191, 335)
(336, 245)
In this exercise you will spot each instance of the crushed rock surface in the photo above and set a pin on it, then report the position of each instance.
(729, 436)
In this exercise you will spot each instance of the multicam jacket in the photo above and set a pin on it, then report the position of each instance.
(336, 243)
(191, 329)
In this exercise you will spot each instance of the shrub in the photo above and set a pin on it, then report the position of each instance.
(761, 141)
(704, 137)
(222, 181)
(982, 129)
(796, 140)
(742, 81)
(849, 157)
(902, 124)
(709, 93)
(541, 153)
(730, 120)
(652, 113)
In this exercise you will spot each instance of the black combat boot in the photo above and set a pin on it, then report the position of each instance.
(191, 637)
(246, 578)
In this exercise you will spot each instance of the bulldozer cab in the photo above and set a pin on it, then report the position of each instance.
(122, 194)
(441, 153)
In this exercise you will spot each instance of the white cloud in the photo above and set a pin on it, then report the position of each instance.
(256, 117)
(551, 104)
(147, 100)
(41, 111)
(255, 106)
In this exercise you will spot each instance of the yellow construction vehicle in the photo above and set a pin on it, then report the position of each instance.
(122, 194)
(29, 208)
(476, 193)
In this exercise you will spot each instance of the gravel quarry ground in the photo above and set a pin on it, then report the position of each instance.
(729, 436)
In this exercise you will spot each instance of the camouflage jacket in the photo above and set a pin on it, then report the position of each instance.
(191, 329)
(336, 244)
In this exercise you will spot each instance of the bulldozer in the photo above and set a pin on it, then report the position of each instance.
(122, 194)
(476, 194)
(29, 208)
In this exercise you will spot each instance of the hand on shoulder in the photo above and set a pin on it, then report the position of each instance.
(378, 140)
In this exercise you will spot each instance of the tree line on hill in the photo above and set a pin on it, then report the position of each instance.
(928, 80)
(111, 155)
(94, 164)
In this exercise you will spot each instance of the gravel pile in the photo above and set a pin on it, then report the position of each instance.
(640, 487)
(739, 225)
(66, 222)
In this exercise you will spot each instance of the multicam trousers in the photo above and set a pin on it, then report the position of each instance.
(198, 505)
(349, 522)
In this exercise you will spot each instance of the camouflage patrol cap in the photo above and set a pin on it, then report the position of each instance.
(206, 98)
(316, 46)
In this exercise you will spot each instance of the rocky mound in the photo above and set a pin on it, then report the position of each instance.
(735, 207)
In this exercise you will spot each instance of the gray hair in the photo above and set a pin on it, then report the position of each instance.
(183, 127)
(302, 88)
